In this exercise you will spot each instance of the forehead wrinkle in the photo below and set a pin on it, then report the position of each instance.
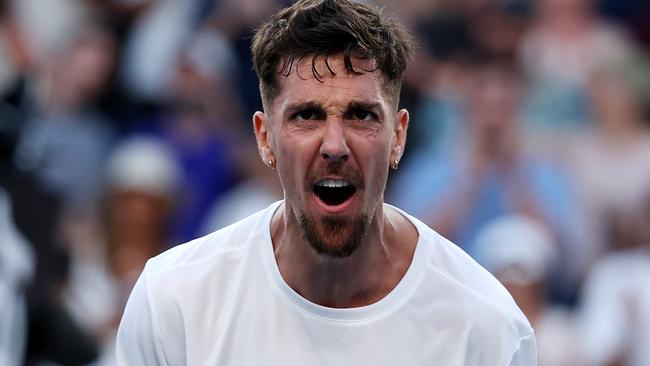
(347, 92)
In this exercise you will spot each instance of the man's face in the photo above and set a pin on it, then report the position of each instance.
(332, 141)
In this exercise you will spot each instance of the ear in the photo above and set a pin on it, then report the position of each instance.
(401, 127)
(263, 138)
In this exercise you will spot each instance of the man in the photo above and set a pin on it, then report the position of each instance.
(330, 275)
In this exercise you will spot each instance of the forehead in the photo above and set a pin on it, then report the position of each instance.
(335, 84)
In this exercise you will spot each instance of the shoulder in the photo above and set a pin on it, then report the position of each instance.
(468, 289)
(494, 327)
(450, 264)
(174, 279)
(205, 250)
(181, 287)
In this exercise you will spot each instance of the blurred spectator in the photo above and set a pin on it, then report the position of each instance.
(453, 35)
(618, 146)
(54, 336)
(497, 27)
(47, 27)
(236, 20)
(143, 178)
(567, 42)
(107, 257)
(202, 125)
(490, 173)
(16, 269)
(204, 75)
(13, 57)
(520, 253)
(440, 76)
(153, 45)
(64, 140)
(615, 304)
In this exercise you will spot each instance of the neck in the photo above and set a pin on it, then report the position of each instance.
(364, 277)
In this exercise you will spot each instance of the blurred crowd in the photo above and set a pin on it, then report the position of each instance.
(125, 129)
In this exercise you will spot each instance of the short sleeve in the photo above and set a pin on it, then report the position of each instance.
(136, 342)
(526, 352)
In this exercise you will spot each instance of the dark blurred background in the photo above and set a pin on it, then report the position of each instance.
(125, 129)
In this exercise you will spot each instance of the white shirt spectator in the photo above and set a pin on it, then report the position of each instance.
(616, 310)
(16, 268)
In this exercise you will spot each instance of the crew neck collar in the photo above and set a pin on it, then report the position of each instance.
(386, 305)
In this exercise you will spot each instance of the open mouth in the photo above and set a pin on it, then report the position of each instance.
(333, 192)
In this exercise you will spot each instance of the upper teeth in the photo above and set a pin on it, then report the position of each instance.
(333, 183)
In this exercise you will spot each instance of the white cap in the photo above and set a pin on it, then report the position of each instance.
(143, 164)
(516, 249)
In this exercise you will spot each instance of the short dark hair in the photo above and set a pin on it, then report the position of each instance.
(322, 28)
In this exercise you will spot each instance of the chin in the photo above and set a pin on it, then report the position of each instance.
(335, 237)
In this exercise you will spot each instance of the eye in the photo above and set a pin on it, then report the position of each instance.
(361, 115)
(307, 115)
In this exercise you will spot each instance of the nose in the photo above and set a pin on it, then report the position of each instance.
(334, 147)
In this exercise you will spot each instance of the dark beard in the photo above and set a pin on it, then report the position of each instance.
(332, 226)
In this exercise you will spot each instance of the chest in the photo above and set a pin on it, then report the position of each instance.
(261, 328)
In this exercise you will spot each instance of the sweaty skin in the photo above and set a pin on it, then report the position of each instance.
(342, 127)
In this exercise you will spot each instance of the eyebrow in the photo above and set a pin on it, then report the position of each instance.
(301, 106)
(353, 105)
(369, 106)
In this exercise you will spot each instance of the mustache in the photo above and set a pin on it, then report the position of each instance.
(338, 169)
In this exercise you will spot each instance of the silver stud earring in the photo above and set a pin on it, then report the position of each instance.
(395, 163)
(271, 164)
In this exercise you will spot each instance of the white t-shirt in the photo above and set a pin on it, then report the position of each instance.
(221, 300)
(615, 311)
(17, 262)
